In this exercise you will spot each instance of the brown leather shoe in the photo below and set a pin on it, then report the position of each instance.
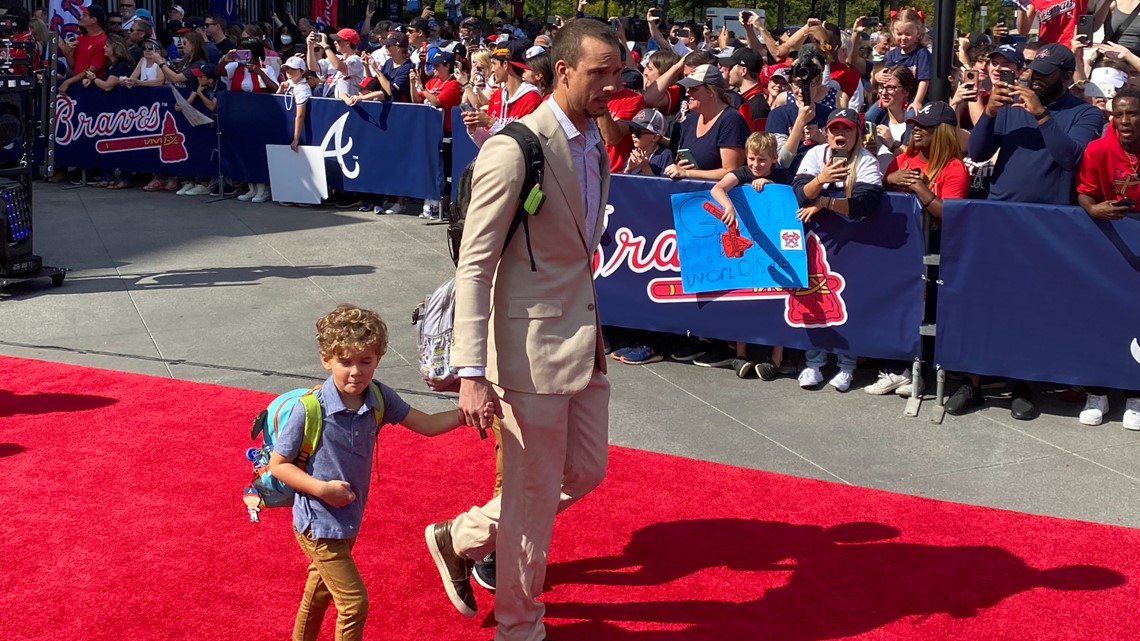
(454, 570)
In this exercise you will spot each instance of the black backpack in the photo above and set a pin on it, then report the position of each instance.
(535, 162)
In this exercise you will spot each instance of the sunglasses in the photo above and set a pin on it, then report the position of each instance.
(115, 23)
(123, 5)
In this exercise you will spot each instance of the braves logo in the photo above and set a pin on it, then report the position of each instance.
(152, 128)
(341, 147)
(820, 304)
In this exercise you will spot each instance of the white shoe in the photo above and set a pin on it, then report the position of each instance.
(431, 209)
(841, 381)
(1132, 414)
(250, 192)
(262, 194)
(888, 383)
(1095, 409)
(905, 391)
(396, 208)
(184, 188)
(198, 190)
(810, 377)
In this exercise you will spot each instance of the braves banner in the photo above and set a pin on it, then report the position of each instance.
(372, 147)
(463, 149)
(1039, 293)
(864, 291)
(228, 9)
(64, 16)
(324, 13)
(135, 130)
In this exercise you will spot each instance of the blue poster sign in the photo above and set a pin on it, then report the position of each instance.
(863, 293)
(765, 248)
(1039, 293)
(371, 147)
(134, 130)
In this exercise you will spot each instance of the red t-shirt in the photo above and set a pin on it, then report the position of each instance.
(89, 53)
(1106, 173)
(674, 105)
(624, 105)
(847, 78)
(1058, 19)
(521, 106)
(952, 182)
(756, 122)
(450, 94)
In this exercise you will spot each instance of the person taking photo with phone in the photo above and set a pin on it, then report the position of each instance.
(798, 125)
(838, 178)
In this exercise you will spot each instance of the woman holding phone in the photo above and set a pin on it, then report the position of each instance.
(844, 179)
(245, 71)
(712, 135)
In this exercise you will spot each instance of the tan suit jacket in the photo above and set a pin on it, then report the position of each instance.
(535, 332)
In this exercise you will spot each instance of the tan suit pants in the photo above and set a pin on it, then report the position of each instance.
(554, 452)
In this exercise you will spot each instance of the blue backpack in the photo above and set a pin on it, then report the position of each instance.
(265, 490)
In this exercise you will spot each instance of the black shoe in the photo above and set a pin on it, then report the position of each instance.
(690, 349)
(767, 370)
(720, 355)
(453, 569)
(347, 201)
(967, 397)
(484, 572)
(743, 367)
(1022, 407)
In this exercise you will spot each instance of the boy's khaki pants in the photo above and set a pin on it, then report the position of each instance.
(332, 577)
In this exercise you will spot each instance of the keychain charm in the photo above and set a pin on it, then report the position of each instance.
(252, 501)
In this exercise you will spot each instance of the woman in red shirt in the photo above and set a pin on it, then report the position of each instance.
(441, 91)
(931, 167)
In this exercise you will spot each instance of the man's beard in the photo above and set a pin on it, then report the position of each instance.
(1051, 93)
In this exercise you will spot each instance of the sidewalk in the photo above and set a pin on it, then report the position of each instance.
(228, 293)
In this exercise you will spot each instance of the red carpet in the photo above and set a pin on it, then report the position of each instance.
(122, 519)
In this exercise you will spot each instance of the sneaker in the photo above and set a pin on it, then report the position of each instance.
(171, 185)
(967, 397)
(786, 368)
(262, 194)
(484, 572)
(810, 377)
(690, 349)
(1132, 414)
(154, 185)
(396, 208)
(431, 210)
(618, 353)
(365, 207)
(184, 188)
(198, 190)
(250, 192)
(1095, 409)
(841, 381)
(720, 355)
(887, 383)
(905, 390)
(454, 570)
(380, 210)
(743, 367)
(226, 190)
(642, 355)
(767, 371)
(347, 201)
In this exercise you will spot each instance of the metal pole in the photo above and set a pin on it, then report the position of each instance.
(945, 10)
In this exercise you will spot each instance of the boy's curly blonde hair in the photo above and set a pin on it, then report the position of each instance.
(349, 329)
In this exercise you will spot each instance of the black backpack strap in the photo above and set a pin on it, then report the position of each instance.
(535, 161)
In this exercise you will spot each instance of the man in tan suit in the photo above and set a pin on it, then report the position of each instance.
(528, 342)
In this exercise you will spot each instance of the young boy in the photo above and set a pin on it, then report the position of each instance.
(332, 489)
(760, 152)
(648, 157)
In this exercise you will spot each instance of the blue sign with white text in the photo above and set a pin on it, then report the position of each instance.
(765, 248)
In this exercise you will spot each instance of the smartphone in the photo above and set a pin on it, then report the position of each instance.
(1125, 202)
(683, 33)
(870, 22)
(1001, 18)
(243, 55)
(371, 6)
(466, 106)
(1085, 27)
(1006, 76)
(839, 156)
(869, 133)
(746, 15)
(656, 13)
(685, 154)
(970, 77)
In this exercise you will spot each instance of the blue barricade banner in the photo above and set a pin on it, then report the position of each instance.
(765, 248)
(372, 147)
(1039, 293)
(864, 293)
(463, 149)
(136, 130)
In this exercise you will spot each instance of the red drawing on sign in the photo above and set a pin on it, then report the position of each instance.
(171, 143)
(817, 305)
(733, 244)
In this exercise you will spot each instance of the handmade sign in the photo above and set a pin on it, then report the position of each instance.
(765, 248)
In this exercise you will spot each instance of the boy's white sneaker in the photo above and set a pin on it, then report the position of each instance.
(396, 208)
(841, 381)
(810, 377)
(1132, 414)
(887, 383)
(198, 190)
(1095, 409)
(184, 188)
(250, 192)
(262, 194)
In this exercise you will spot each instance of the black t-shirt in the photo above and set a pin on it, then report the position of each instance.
(122, 68)
(778, 175)
(225, 46)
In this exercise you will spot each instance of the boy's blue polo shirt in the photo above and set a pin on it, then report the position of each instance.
(344, 453)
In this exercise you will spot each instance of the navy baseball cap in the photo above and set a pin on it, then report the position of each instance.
(934, 113)
(847, 116)
(1052, 57)
(1010, 53)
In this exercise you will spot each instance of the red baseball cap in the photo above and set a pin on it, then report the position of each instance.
(349, 35)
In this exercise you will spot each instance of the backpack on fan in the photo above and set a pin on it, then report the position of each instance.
(435, 315)
(265, 490)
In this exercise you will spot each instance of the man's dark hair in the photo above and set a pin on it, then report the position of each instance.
(220, 19)
(1032, 45)
(568, 42)
(1127, 92)
(664, 59)
(698, 57)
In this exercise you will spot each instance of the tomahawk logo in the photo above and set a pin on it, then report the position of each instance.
(335, 136)
(149, 127)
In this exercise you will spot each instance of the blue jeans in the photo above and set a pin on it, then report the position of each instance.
(818, 358)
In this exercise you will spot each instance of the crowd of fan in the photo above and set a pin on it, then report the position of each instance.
(839, 114)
